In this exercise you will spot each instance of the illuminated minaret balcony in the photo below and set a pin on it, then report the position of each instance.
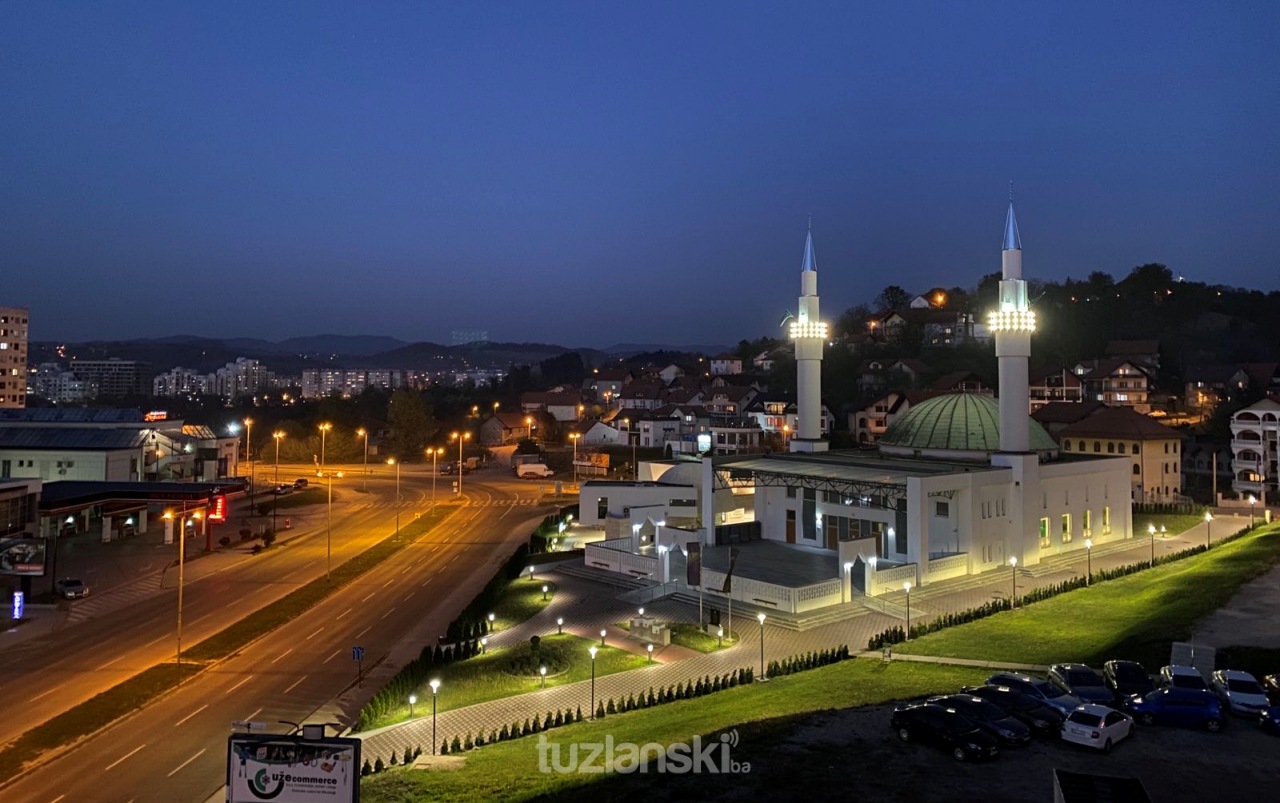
(805, 329)
(1011, 321)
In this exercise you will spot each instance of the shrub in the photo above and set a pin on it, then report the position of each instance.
(378, 766)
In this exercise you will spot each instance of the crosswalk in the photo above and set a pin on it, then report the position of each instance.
(96, 605)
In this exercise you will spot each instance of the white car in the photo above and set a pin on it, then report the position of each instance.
(1182, 677)
(1240, 692)
(1097, 726)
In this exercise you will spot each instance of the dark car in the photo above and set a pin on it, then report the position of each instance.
(301, 482)
(1043, 720)
(1271, 685)
(1269, 719)
(933, 724)
(986, 715)
(1081, 682)
(1194, 708)
(1042, 690)
(71, 588)
(1125, 678)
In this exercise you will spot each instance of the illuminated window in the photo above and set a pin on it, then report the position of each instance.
(1044, 533)
(1066, 528)
(1106, 521)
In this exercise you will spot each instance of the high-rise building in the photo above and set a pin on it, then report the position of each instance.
(114, 378)
(13, 357)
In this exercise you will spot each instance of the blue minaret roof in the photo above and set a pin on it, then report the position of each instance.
(1012, 242)
(810, 261)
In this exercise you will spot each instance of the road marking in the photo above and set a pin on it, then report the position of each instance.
(43, 694)
(254, 714)
(238, 685)
(56, 799)
(122, 758)
(295, 684)
(362, 632)
(428, 582)
(313, 635)
(388, 613)
(406, 568)
(185, 763)
(407, 597)
(281, 655)
(344, 613)
(331, 657)
(192, 714)
(109, 663)
(369, 597)
(389, 582)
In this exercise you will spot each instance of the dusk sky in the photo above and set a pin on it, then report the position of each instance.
(594, 173)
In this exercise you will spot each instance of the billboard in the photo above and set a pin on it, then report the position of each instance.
(292, 769)
(25, 557)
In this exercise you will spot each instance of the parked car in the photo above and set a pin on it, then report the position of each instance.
(1042, 690)
(1097, 726)
(1125, 678)
(1197, 708)
(282, 490)
(1081, 682)
(1271, 685)
(71, 588)
(448, 468)
(987, 715)
(533, 471)
(1041, 718)
(1269, 719)
(301, 482)
(1182, 677)
(1240, 692)
(936, 725)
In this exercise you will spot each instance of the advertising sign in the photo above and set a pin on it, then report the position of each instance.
(292, 769)
(218, 511)
(25, 557)
(19, 605)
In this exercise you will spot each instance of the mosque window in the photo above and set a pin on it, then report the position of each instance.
(1082, 446)
(1137, 469)
(1066, 528)
(1106, 520)
(941, 509)
(1122, 448)
(1044, 533)
(1135, 448)
(1097, 446)
(1087, 522)
(1111, 447)
(1066, 446)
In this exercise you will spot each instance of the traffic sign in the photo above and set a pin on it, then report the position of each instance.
(357, 653)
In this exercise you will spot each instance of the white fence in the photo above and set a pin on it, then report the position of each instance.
(779, 598)
(884, 581)
(615, 556)
(947, 567)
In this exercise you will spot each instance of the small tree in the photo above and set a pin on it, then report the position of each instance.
(378, 766)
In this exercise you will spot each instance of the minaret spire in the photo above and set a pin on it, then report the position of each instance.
(810, 334)
(810, 261)
(1011, 326)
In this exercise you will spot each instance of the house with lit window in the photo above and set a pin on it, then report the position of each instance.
(1254, 431)
(1154, 451)
(1116, 382)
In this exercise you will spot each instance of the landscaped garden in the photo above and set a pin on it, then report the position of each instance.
(1173, 523)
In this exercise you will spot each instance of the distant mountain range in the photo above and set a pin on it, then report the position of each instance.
(335, 351)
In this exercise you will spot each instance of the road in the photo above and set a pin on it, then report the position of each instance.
(174, 749)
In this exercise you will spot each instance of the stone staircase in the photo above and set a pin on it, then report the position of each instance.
(787, 621)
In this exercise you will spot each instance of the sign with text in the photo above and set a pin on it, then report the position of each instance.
(218, 510)
(25, 557)
(292, 769)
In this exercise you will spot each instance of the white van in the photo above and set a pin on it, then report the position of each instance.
(533, 471)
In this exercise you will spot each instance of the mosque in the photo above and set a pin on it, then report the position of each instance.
(961, 484)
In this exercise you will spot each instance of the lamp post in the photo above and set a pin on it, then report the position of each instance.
(491, 628)
(906, 586)
(649, 648)
(391, 461)
(277, 436)
(786, 436)
(484, 644)
(544, 592)
(1151, 530)
(413, 698)
(574, 437)
(542, 670)
(435, 687)
(1088, 556)
(364, 433)
(248, 456)
(1253, 502)
(560, 625)
(460, 436)
(603, 633)
(528, 423)
(719, 637)
(324, 430)
(1013, 581)
(593, 681)
(760, 618)
(435, 452)
(1208, 531)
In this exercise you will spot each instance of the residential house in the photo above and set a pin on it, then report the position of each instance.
(1154, 448)
(870, 422)
(878, 375)
(498, 429)
(1254, 432)
(779, 415)
(1057, 416)
(726, 364)
(642, 394)
(668, 373)
(606, 384)
(560, 403)
(594, 432)
(938, 327)
(1054, 385)
(1116, 383)
(961, 382)
(1145, 353)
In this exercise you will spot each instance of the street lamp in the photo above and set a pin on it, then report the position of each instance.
(560, 625)
(484, 644)
(760, 618)
(490, 623)
(391, 461)
(574, 437)
(906, 586)
(542, 670)
(719, 637)
(248, 456)
(435, 452)
(1208, 531)
(277, 436)
(603, 632)
(528, 422)
(435, 687)
(1013, 581)
(413, 698)
(1151, 529)
(786, 436)
(1253, 501)
(544, 592)
(1088, 556)
(593, 681)
(649, 647)
(364, 433)
(642, 610)
(324, 430)
(460, 436)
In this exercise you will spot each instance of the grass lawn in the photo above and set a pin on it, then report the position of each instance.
(509, 770)
(1173, 523)
(497, 673)
(687, 634)
(1134, 617)
(521, 600)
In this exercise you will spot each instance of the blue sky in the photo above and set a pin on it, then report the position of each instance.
(589, 173)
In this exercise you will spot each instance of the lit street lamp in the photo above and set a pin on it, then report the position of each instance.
(719, 637)
(484, 644)
(544, 593)
(460, 437)
(1151, 529)
(1208, 531)
(1013, 581)
(1088, 556)
(364, 433)
(277, 436)
(649, 647)
(391, 461)
(490, 623)
(435, 687)
(760, 617)
(413, 698)
(593, 681)
(574, 437)
(1253, 502)
(435, 452)
(848, 579)
(248, 456)
(603, 632)
(542, 670)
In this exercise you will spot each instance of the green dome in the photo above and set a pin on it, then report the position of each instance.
(957, 422)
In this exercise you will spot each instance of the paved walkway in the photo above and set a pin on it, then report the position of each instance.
(588, 607)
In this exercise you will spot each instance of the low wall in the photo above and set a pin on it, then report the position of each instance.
(946, 567)
(819, 595)
(884, 581)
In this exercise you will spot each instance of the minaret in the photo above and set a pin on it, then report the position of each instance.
(1012, 325)
(809, 333)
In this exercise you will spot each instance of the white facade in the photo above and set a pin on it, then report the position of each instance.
(1254, 433)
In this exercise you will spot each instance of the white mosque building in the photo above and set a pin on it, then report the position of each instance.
(960, 485)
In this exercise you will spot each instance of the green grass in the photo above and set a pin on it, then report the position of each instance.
(509, 770)
(1134, 617)
(298, 601)
(687, 634)
(521, 600)
(485, 677)
(1173, 524)
(95, 713)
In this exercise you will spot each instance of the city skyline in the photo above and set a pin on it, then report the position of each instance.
(592, 176)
